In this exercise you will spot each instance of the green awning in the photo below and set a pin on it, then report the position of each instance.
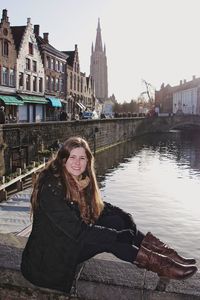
(33, 99)
(11, 100)
(55, 102)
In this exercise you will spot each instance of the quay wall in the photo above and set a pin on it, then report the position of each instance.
(20, 143)
(25, 140)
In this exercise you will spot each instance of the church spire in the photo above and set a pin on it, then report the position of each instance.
(98, 44)
(98, 67)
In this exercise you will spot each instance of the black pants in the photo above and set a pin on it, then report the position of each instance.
(123, 251)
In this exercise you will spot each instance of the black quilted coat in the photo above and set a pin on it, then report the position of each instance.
(51, 254)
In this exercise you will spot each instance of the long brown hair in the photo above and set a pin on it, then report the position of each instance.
(90, 202)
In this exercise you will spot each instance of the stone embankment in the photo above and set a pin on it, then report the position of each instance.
(101, 278)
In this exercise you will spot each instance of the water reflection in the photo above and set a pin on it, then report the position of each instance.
(156, 178)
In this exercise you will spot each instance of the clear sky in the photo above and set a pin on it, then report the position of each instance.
(154, 40)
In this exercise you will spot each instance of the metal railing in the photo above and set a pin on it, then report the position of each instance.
(17, 180)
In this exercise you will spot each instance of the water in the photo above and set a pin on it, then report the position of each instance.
(156, 179)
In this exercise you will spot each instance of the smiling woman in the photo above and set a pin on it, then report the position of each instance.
(77, 161)
(71, 224)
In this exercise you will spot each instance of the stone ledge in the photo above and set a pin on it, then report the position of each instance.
(101, 278)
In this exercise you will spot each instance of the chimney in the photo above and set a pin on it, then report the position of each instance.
(4, 15)
(76, 47)
(28, 21)
(193, 77)
(184, 81)
(46, 37)
(180, 82)
(37, 30)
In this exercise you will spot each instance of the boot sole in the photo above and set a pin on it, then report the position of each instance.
(165, 278)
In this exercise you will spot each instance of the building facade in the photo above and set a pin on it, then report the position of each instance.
(55, 68)
(80, 93)
(37, 81)
(8, 69)
(180, 99)
(29, 75)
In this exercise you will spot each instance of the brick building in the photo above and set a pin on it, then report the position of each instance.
(180, 99)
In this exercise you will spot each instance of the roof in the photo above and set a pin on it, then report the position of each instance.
(70, 59)
(18, 32)
(187, 85)
(43, 45)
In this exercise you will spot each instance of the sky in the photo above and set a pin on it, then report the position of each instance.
(153, 40)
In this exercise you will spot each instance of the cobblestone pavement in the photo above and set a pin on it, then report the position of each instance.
(15, 212)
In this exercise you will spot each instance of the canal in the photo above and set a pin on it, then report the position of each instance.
(156, 178)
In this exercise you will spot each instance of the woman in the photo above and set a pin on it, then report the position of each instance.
(71, 224)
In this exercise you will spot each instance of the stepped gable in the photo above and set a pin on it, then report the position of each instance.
(71, 56)
(18, 33)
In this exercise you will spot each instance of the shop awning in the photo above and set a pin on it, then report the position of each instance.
(33, 99)
(55, 102)
(11, 100)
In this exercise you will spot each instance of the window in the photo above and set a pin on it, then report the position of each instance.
(5, 76)
(5, 48)
(40, 85)
(52, 64)
(78, 84)
(28, 82)
(21, 80)
(12, 77)
(28, 64)
(35, 83)
(52, 83)
(81, 84)
(30, 48)
(48, 62)
(34, 66)
(48, 83)
(61, 85)
(57, 84)
(62, 67)
(71, 81)
(74, 82)
(58, 66)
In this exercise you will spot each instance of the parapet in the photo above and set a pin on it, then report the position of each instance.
(101, 278)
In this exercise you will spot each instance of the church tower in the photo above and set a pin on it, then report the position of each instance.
(98, 67)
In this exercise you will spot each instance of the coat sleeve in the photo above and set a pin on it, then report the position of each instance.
(53, 204)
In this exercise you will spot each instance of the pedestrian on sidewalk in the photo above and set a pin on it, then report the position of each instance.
(2, 115)
(71, 224)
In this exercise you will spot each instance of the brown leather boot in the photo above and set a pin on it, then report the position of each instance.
(163, 265)
(153, 243)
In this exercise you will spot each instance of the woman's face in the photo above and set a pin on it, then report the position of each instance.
(77, 161)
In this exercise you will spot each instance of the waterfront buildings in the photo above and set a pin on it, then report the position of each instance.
(180, 99)
(38, 81)
(80, 93)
